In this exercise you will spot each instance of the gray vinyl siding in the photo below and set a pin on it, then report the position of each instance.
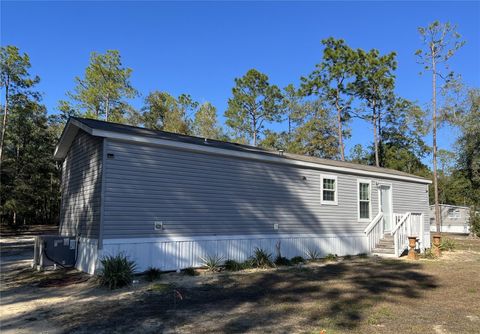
(412, 197)
(446, 219)
(199, 194)
(81, 187)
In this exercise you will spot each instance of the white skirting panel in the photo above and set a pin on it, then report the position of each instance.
(87, 255)
(465, 229)
(178, 253)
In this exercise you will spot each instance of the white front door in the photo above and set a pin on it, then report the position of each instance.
(385, 197)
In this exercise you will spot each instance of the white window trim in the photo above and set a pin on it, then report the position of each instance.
(330, 177)
(364, 220)
(456, 214)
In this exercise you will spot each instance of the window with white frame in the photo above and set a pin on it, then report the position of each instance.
(329, 189)
(364, 200)
(453, 213)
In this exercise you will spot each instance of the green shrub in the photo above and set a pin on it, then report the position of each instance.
(117, 271)
(331, 257)
(282, 261)
(362, 255)
(212, 262)
(152, 274)
(475, 221)
(313, 254)
(297, 260)
(428, 254)
(448, 244)
(347, 257)
(247, 264)
(233, 265)
(261, 259)
(189, 271)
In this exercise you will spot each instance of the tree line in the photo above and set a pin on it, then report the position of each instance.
(346, 83)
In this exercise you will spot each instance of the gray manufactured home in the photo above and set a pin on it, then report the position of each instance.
(167, 200)
(453, 219)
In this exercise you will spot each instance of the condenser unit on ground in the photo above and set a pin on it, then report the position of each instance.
(54, 251)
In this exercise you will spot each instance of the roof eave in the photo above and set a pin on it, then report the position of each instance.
(73, 125)
(67, 137)
(251, 155)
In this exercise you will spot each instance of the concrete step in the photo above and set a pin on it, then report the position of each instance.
(386, 243)
(388, 255)
(384, 250)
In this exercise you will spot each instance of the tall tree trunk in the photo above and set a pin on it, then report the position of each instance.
(4, 124)
(375, 137)
(2, 139)
(434, 116)
(381, 157)
(107, 107)
(340, 130)
(254, 123)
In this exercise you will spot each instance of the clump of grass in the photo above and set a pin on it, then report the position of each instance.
(212, 262)
(428, 254)
(297, 260)
(189, 271)
(261, 259)
(448, 244)
(330, 257)
(362, 255)
(161, 287)
(282, 261)
(152, 274)
(233, 265)
(347, 257)
(247, 264)
(313, 254)
(382, 313)
(117, 271)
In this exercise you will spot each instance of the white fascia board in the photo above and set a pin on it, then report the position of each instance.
(450, 206)
(67, 137)
(248, 155)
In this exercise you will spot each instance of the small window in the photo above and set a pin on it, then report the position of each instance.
(453, 213)
(329, 189)
(364, 200)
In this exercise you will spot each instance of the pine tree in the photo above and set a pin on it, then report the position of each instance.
(101, 93)
(254, 102)
(330, 81)
(441, 41)
(205, 123)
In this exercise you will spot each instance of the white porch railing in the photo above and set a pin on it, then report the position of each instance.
(374, 231)
(406, 225)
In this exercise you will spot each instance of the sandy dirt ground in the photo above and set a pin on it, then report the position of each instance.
(352, 295)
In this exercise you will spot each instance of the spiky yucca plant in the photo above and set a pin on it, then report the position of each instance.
(212, 262)
(261, 258)
(117, 271)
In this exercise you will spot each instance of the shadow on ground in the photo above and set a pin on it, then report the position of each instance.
(336, 295)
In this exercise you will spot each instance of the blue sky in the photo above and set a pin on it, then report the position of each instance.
(199, 48)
